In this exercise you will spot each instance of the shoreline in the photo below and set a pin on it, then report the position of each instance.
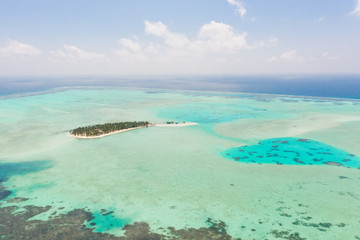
(129, 129)
(106, 134)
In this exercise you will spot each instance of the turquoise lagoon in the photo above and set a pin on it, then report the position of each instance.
(308, 182)
(293, 151)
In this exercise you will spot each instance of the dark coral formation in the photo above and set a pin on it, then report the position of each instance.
(217, 230)
(287, 235)
(332, 163)
(68, 226)
(4, 193)
(71, 226)
(319, 226)
(293, 151)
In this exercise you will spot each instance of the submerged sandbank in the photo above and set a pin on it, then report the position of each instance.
(179, 124)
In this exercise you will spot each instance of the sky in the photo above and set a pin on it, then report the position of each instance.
(140, 37)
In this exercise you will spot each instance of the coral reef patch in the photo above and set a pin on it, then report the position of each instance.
(293, 151)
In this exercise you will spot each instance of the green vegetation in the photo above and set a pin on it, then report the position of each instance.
(100, 129)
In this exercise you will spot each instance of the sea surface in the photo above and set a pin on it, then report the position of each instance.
(258, 166)
(320, 85)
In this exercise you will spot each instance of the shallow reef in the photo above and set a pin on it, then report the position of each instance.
(19, 226)
(293, 151)
(16, 224)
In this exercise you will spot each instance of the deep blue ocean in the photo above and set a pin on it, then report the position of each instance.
(337, 86)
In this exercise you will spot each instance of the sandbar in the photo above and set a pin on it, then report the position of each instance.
(180, 124)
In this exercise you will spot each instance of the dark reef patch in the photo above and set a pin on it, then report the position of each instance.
(3, 192)
(17, 200)
(293, 151)
(332, 163)
(319, 226)
(8, 169)
(72, 226)
(216, 230)
(285, 215)
(286, 235)
(67, 226)
(105, 214)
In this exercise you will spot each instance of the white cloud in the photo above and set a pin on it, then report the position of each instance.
(72, 53)
(217, 45)
(213, 37)
(330, 57)
(131, 45)
(155, 28)
(320, 19)
(131, 50)
(289, 56)
(239, 7)
(356, 11)
(171, 39)
(272, 59)
(220, 37)
(152, 49)
(273, 41)
(15, 48)
(130, 56)
(216, 48)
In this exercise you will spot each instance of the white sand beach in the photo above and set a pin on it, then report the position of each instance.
(104, 135)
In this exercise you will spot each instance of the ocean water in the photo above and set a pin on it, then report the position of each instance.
(320, 85)
(182, 177)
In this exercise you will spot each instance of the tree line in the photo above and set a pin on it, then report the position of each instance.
(99, 129)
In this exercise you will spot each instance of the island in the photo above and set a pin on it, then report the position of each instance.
(101, 130)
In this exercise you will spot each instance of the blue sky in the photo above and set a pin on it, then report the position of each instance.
(39, 37)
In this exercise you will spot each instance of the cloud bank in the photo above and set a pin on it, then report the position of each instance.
(14, 48)
(212, 37)
(72, 53)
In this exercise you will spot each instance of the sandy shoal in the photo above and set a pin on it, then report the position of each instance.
(176, 125)
(258, 129)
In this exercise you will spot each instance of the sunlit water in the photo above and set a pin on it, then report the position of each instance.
(180, 177)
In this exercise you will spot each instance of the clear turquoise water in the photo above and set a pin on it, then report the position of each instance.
(217, 111)
(9, 169)
(203, 112)
(104, 221)
(293, 151)
(180, 177)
